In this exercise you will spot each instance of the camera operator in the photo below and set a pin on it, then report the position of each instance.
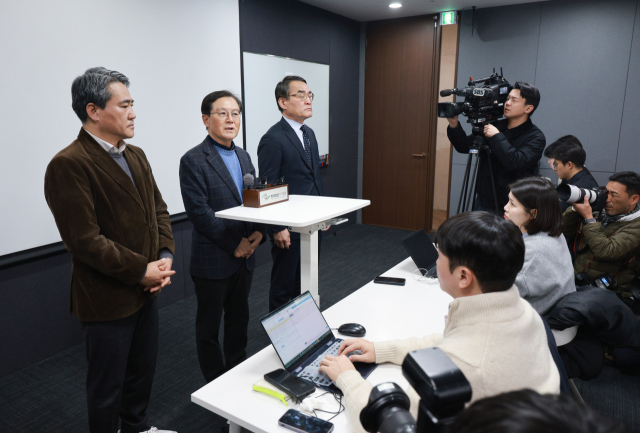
(568, 162)
(496, 338)
(608, 242)
(516, 147)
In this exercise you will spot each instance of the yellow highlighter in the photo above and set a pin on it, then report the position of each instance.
(271, 392)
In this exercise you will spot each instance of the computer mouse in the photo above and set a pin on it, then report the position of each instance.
(352, 330)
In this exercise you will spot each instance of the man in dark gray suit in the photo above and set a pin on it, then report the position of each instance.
(289, 149)
(222, 258)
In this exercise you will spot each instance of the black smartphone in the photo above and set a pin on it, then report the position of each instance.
(287, 382)
(389, 280)
(301, 423)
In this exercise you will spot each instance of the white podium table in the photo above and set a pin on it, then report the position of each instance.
(387, 312)
(303, 214)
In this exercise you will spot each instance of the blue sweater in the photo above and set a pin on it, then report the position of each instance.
(228, 155)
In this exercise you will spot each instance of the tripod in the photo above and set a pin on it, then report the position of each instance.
(479, 145)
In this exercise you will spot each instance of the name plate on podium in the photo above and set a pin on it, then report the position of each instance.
(265, 197)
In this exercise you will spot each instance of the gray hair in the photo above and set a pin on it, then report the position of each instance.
(93, 87)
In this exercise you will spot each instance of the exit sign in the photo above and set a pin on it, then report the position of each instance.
(448, 18)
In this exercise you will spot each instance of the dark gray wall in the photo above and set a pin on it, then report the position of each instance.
(34, 297)
(584, 56)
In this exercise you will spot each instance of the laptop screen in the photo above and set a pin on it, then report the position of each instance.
(296, 328)
(421, 249)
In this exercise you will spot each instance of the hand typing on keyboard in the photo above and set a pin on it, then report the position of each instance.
(358, 350)
(334, 366)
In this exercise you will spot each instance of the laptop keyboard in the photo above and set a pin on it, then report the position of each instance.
(311, 372)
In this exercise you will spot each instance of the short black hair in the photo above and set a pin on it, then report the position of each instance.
(569, 152)
(539, 193)
(529, 93)
(526, 411)
(282, 88)
(207, 102)
(550, 150)
(629, 179)
(93, 87)
(490, 246)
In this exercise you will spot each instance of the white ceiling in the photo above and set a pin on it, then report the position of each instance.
(371, 10)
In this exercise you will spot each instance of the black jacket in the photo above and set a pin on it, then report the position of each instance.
(582, 179)
(603, 319)
(280, 153)
(515, 154)
(602, 312)
(207, 187)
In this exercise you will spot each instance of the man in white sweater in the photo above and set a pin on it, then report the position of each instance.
(495, 337)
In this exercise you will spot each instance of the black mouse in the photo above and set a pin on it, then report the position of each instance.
(352, 330)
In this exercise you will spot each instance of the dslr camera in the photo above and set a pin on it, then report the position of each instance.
(443, 392)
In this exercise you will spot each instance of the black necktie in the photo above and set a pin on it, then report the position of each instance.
(307, 143)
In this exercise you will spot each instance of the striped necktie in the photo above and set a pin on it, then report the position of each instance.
(307, 143)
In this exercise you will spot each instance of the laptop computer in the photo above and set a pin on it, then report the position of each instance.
(422, 251)
(302, 338)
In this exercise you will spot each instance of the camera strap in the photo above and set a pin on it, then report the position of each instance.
(625, 265)
(594, 256)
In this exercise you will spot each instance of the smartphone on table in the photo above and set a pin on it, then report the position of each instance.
(301, 423)
(289, 383)
(389, 280)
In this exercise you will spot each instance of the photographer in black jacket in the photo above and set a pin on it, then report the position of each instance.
(568, 162)
(516, 147)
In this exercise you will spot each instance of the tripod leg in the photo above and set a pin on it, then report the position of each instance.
(493, 185)
(465, 184)
(473, 183)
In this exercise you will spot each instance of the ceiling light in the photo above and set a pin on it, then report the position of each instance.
(395, 5)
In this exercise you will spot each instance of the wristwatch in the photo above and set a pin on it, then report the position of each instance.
(589, 220)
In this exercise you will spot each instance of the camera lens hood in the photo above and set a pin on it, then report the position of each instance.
(382, 397)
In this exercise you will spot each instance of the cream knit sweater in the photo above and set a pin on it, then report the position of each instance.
(496, 339)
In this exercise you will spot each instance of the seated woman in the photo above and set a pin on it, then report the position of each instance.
(547, 273)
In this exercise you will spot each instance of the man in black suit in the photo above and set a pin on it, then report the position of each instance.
(222, 261)
(289, 149)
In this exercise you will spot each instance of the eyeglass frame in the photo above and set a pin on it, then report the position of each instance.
(226, 115)
(303, 96)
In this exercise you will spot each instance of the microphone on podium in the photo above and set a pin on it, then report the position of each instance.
(248, 180)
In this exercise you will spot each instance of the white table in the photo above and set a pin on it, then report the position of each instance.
(387, 312)
(304, 214)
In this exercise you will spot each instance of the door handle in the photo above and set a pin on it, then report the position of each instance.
(419, 155)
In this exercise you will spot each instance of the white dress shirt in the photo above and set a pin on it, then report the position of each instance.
(296, 127)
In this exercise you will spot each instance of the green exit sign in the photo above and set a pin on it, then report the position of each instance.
(448, 18)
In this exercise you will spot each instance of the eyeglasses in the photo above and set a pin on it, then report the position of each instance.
(235, 115)
(303, 96)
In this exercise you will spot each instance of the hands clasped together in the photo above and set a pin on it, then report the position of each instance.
(158, 275)
(248, 245)
(334, 366)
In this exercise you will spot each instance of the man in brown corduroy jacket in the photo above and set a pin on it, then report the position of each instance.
(113, 221)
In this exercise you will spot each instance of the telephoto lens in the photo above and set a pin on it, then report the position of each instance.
(597, 197)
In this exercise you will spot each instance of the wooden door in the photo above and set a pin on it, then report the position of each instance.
(400, 121)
